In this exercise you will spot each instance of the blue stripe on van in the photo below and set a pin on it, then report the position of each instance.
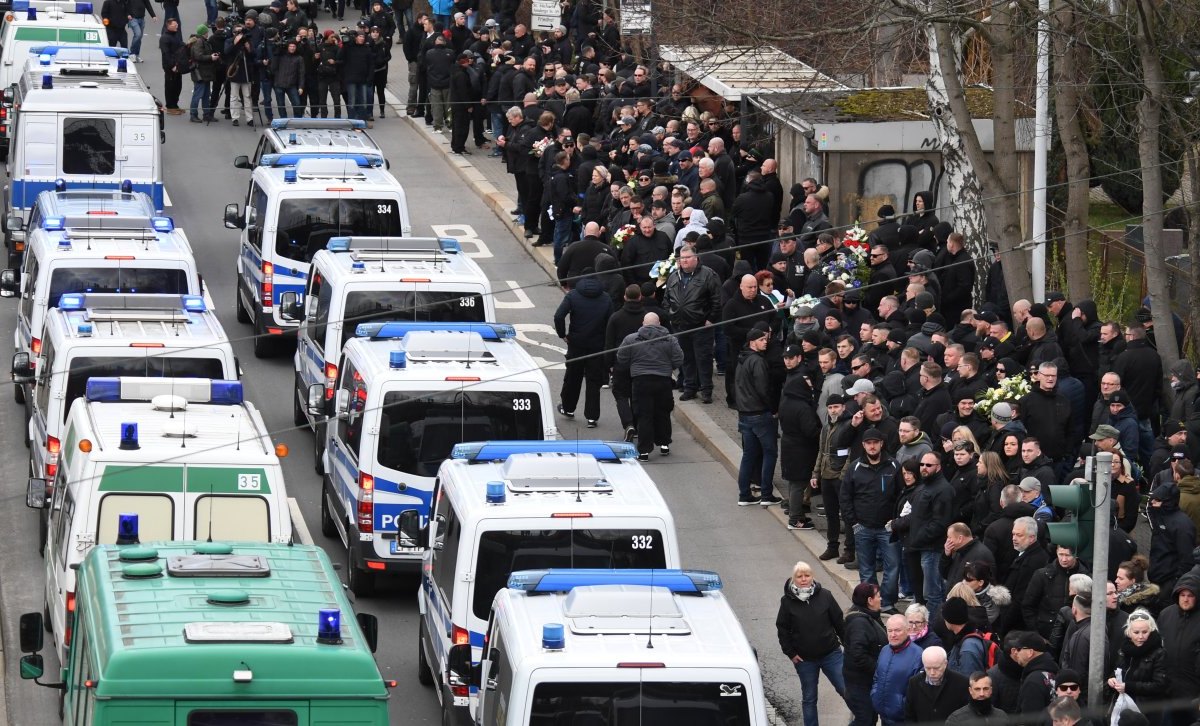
(25, 192)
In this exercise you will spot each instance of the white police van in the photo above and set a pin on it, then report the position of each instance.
(168, 336)
(287, 140)
(189, 456)
(406, 394)
(614, 647)
(357, 280)
(32, 23)
(89, 127)
(93, 242)
(502, 506)
(291, 213)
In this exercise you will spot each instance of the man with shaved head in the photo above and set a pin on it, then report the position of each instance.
(740, 314)
(651, 355)
(935, 692)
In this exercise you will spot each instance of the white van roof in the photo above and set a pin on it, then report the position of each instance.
(148, 321)
(319, 173)
(388, 259)
(431, 352)
(307, 137)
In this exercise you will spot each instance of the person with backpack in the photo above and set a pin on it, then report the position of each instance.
(973, 650)
(175, 63)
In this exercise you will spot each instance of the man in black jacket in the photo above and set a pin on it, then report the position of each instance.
(1046, 413)
(462, 101)
(413, 37)
(1172, 537)
(740, 314)
(1031, 557)
(561, 201)
(692, 297)
(1047, 591)
(753, 220)
(625, 321)
(961, 547)
(170, 47)
(935, 692)
(868, 496)
(932, 513)
(756, 420)
(956, 272)
(1141, 372)
(580, 254)
(588, 308)
(439, 62)
(1038, 671)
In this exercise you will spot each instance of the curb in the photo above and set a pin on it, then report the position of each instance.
(691, 416)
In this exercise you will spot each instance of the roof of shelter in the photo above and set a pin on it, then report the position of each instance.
(735, 71)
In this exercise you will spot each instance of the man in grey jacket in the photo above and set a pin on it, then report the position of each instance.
(693, 300)
(651, 355)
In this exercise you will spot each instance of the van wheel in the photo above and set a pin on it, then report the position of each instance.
(46, 624)
(328, 526)
(319, 450)
(298, 416)
(43, 532)
(424, 672)
(263, 345)
(242, 315)
(360, 581)
(19, 397)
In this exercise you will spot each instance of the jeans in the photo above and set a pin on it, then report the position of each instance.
(934, 588)
(200, 97)
(292, 95)
(264, 86)
(210, 7)
(357, 103)
(697, 346)
(404, 19)
(759, 450)
(563, 225)
(327, 87)
(810, 673)
(136, 28)
(870, 542)
(1145, 442)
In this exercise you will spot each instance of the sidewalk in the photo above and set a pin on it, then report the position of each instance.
(714, 425)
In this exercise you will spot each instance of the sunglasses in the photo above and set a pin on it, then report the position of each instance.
(1068, 686)
(928, 466)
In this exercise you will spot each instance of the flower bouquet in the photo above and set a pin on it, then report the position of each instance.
(540, 146)
(621, 235)
(849, 267)
(1012, 388)
(662, 270)
(856, 238)
(804, 301)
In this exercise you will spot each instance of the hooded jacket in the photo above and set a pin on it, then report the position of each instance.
(1140, 369)
(919, 447)
(1037, 684)
(1181, 639)
(811, 629)
(1172, 536)
(588, 309)
(894, 668)
(865, 637)
(697, 222)
(651, 351)
(610, 278)
(752, 214)
(800, 428)
(1185, 403)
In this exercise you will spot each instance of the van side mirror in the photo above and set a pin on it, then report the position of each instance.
(458, 665)
(233, 217)
(370, 627)
(341, 402)
(10, 282)
(37, 493)
(14, 223)
(439, 532)
(316, 400)
(22, 368)
(242, 162)
(31, 632)
(289, 306)
(411, 529)
(32, 666)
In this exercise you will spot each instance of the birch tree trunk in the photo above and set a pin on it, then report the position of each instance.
(1150, 110)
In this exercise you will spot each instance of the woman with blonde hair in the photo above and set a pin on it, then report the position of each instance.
(811, 630)
(1143, 665)
(992, 479)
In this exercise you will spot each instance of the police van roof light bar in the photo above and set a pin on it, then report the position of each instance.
(480, 451)
(280, 124)
(363, 161)
(80, 8)
(53, 50)
(564, 580)
(487, 331)
(195, 390)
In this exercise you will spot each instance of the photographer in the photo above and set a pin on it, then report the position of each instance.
(383, 56)
(288, 77)
(264, 57)
(358, 63)
(239, 53)
(329, 75)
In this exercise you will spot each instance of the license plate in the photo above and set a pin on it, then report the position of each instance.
(395, 548)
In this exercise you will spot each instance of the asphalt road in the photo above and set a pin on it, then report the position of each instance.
(749, 549)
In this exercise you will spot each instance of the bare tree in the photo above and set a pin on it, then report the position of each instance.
(1069, 111)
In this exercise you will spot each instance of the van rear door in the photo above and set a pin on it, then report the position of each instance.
(139, 141)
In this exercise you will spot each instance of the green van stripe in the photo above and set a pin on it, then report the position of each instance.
(200, 479)
(142, 479)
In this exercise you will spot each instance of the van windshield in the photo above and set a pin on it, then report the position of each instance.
(156, 366)
(418, 429)
(142, 280)
(304, 226)
(632, 704)
(502, 553)
(425, 306)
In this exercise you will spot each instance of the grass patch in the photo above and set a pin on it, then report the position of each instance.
(1106, 215)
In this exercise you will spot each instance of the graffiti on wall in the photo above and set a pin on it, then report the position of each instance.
(894, 181)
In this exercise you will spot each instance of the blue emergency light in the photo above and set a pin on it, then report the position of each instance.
(162, 224)
(129, 435)
(449, 245)
(289, 176)
(358, 267)
(126, 186)
(681, 582)
(108, 390)
(553, 636)
(338, 244)
(60, 185)
(312, 123)
(53, 50)
(31, 13)
(64, 244)
(47, 80)
(226, 393)
(495, 492)
(194, 303)
(363, 161)
(397, 359)
(122, 67)
(293, 139)
(44, 59)
(26, 5)
(329, 626)
(478, 451)
(84, 330)
(487, 331)
(127, 528)
(55, 223)
(70, 301)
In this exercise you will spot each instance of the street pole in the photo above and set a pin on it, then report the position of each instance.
(1102, 504)
(1041, 152)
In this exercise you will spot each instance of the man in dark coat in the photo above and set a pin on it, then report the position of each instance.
(956, 271)
(739, 315)
(462, 101)
(1141, 372)
(1179, 624)
(643, 248)
(1047, 591)
(1031, 557)
(588, 308)
(800, 432)
(625, 321)
(753, 220)
(692, 297)
(1038, 670)
(888, 231)
(935, 692)
(580, 254)
(651, 354)
(998, 535)
(1046, 413)
(933, 398)
(1172, 537)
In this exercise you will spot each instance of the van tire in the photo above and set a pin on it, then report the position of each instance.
(424, 672)
(328, 526)
(19, 397)
(319, 449)
(46, 624)
(242, 315)
(263, 345)
(298, 416)
(43, 534)
(360, 581)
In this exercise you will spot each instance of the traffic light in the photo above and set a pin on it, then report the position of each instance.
(1077, 528)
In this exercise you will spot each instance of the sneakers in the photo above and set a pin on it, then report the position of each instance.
(643, 457)
(769, 501)
(630, 434)
(706, 398)
(688, 396)
(828, 554)
(591, 423)
(802, 524)
(564, 412)
(235, 122)
(746, 501)
(904, 596)
(664, 450)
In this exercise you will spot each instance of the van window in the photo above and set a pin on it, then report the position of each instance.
(237, 518)
(628, 704)
(152, 365)
(29, 278)
(496, 705)
(89, 146)
(502, 553)
(256, 215)
(446, 559)
(156, 516)
(404, 305)
(63, 517)
(418, 429)
(45, 367)
(349, 427)
(242, 718)
(144, 280)
(323, 293)
(303, 226)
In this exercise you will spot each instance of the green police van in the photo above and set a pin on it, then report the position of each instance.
(212, 634)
